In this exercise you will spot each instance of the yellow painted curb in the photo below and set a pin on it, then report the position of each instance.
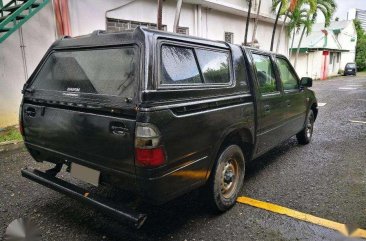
(340, 227)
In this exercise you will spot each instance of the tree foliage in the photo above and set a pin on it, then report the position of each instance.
(360, 46)
(325, 7)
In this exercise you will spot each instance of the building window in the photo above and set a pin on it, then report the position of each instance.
(229, 37)
(183, 30)
(117, 25)
(331, 58)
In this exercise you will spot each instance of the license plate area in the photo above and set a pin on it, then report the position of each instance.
(85, 174)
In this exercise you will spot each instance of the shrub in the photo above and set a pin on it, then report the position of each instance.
(360, 46)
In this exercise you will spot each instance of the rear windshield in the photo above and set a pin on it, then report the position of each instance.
(97, 71)
(351, 66)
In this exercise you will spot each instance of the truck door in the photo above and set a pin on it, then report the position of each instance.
(294, 97)
(270, 102)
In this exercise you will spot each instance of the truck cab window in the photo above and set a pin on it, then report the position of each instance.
(265, 74)
(94, 71)
(288, 78)
(214, 65)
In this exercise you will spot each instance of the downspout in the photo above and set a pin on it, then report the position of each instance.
(66, 17)
(195, 21)
(1, 3)
(160, 15)
(61, 8)
(54, 18)
(325, 38)
(307, 63)
(326, 53)
(199, 9)
(177, 15)
(207, 9)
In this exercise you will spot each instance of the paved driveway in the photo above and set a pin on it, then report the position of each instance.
(326, 178)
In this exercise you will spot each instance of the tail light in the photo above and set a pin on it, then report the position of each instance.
(148, 149)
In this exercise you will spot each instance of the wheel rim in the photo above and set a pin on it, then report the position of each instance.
(309, 126)
(230, 177)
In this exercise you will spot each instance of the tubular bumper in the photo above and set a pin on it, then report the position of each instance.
(80, 194)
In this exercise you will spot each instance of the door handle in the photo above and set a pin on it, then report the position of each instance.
(30, 111)
(119, 129)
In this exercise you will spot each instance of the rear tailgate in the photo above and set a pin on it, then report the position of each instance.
(97, 139)
(81, 103)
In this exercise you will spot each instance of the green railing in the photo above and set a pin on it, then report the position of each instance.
(17, 15)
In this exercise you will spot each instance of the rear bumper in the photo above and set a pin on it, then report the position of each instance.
(349, 72)
(82, 195)
(124, 180)
(155, 187)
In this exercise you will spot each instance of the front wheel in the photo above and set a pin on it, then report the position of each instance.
(304, 136)
(227, 178)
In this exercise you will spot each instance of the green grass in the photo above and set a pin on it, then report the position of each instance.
(10, 133)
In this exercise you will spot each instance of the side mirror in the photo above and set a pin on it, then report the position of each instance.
(306, 82)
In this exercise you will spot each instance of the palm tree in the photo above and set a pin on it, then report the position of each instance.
(291, 8)
(256, 22)
(306, 25)
(298, 16)
(281, 4)
(327, 8)
(247, 22)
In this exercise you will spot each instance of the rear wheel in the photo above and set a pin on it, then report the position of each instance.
(227, 178)
(304, 136)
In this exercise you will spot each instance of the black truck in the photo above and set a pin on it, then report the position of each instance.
(159, 114)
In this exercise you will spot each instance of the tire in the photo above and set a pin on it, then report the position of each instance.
(304, 136)
(227, 178)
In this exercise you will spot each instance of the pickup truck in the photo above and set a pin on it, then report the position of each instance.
(159, 114)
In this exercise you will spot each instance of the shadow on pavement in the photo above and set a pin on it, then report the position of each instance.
(163, 221)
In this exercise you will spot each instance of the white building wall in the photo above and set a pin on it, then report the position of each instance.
(348, 39)
(148, 13)
(309, 65)
(301, 69)
(213, 23)
(89, 15)
(38, 35)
